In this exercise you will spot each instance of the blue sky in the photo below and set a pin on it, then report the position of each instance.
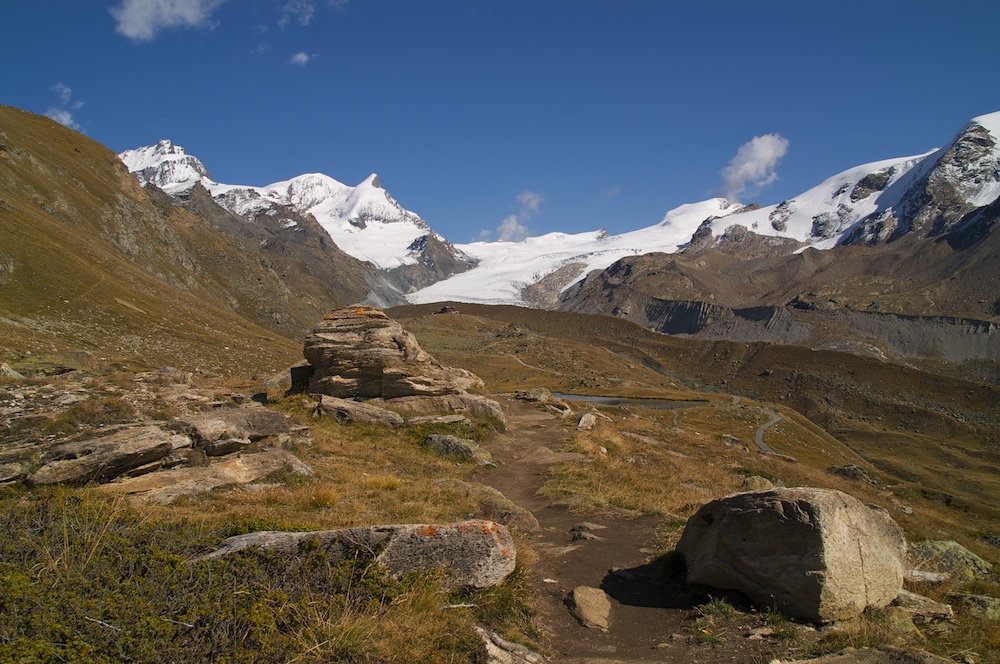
(507, 117)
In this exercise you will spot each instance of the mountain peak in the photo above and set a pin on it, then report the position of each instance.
(165, 165)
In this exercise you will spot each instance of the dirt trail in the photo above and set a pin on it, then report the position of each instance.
(651, 621)
(642, 615)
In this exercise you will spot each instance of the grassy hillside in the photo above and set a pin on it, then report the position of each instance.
(91, 261)
(934, 440)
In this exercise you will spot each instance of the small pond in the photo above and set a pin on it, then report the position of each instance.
(661, 404)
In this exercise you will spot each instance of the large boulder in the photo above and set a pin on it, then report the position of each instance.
(815, 554)
(474, 553)
(360, 352)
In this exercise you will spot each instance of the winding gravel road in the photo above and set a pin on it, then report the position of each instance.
(758, 435)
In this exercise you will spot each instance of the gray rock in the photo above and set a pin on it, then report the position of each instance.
(854, 472)
(473, 404)
(948, 557)
(454, 446)
(166, 485)
(587, 422)
(9, 472)
(476, 553)
(493, 505)
(922, 609)
(920, 576)
(816, 554)
(590, 606)
(984, 605)
(757, 483)
(102, 459)
(225, 430)
(345, 410)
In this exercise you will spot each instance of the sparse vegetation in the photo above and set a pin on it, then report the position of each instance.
(87, 579)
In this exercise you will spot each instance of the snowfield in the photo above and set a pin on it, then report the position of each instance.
(366, 222)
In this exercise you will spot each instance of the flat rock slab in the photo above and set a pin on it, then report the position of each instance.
(475, 553)
(346, 410)
(473, 404)
(948, 557)
(166, 485)
(816, 554)
(461, 448)
(922, 609)
(223, 425)
(103, 459)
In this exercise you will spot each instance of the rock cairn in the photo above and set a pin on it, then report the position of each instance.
(360, 353)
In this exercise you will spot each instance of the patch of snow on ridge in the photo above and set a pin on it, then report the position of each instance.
(823, 216)
(364, 221)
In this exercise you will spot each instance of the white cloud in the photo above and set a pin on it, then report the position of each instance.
(63, 117)
(61, 113)
(301, 10)
(611, 193)
(752, 169)
(64, 91)
(529, 200)
(140, 20)
(513, 228)
(301, 59)
(261, 49)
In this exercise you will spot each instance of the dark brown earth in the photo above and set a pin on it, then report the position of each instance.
(652, 618)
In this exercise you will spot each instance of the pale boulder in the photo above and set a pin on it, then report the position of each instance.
(475, 553)
(816, 554)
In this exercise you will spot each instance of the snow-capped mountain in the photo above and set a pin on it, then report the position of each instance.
(882, 201)
(364, 221)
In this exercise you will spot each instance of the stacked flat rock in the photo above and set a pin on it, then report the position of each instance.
(360, 352)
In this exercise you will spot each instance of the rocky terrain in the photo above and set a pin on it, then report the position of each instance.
(252, 504)
(615, 570)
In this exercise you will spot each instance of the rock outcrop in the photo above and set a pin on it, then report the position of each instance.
(359, 352)
(474, 553)
(166, 485)
(102, 459)
(816, 554)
